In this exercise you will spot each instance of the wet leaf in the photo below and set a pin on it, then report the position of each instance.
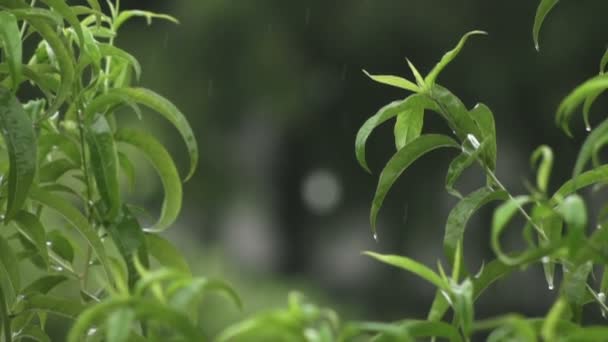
(541, 12)
(412, 266)
(163, 163)
(400, 162)
(385, 113)
(10, 40)
(394, 81)
(19, 137)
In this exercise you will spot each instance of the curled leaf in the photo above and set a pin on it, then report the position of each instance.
(541, 12)
(385, 113)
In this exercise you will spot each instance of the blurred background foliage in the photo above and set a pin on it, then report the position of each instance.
(275, 92)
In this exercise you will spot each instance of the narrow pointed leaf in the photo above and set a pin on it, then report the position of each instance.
(66, 12)
(541, 12)
(460, 215)
(575, 282)
(112, 51)
(412, 266)
(594, 176)
(19, 137)
(76, 220)
(64, 60)
(5, 320)
(104, 163)
(129, 239)
(576, 97)
(166, 254)
(590, 145)
(385, 113)
(10, 40)
(53, 18)
(501, 218)
(400, 162)
(163, 163)
(156, 102)
(545, 155)
(128, 14)
(55, 305)
(447, 58)
(483, 117)
(409, 124)
(463, 305)
(31, 228)
(10, 279)
(44, 284)
(416, 73)
(394, 81)
(118, 325)
(459, 164)
(33, 332)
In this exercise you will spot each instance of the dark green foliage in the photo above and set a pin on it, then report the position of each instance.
(66, 153)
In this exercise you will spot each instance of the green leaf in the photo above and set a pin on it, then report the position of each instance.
(400, 162)
(129, 239)
(459, 119)
(463, 305)
(460, 215)
(409, 123)
(156, 102)
(483, 117)
(104, 163)
(541, 12)
(52, 171)
(591, 144)
(576, 97)
(33, 332)
(11, 46)
(56, 305)
(112, 51)
(30, 227)
(55, 142)
(412, 266)
(76, 220)
(37, 13)
(574, 212)
(502, 216)
(143, 309)
(597, 175)
(385, 113)
(64, 59)
(166, 254)
(66, 12)
(19, 137)
(127, 168)
(43, 284)
(447, 58)
(416, 73)
(61, 245)
(187, 294)
(545, 154)
(461, 163)
(163, 163)
(575, 282)
(128, 14)
(5, 320)
(394, 81)
(118, 325)
(9, 269)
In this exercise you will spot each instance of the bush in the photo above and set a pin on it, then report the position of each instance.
(67, 223)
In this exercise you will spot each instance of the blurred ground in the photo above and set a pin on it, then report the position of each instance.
(275, 92)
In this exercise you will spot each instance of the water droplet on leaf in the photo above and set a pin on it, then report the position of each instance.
(376, 237)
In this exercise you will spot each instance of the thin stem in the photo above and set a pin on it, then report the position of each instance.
(519, 207)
